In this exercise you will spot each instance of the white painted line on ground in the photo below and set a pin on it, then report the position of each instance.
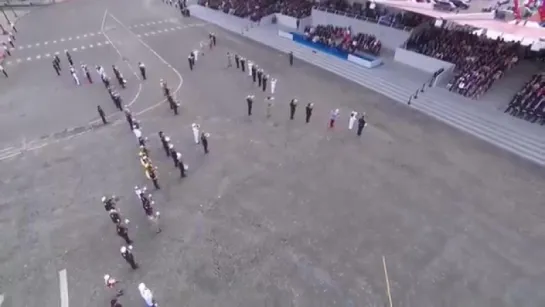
(47, 55)
(46, 43)
(82, 47)
(139, 35)
(178, 27)
(106, 43)
(99, 44)
(84, 35)
(166, 30)
(159, 31)
(74, 49)
(152, 32)
(8, 62)
(57, 53)
(172, 29)
(38, 57)
(91, 46)
(54, 42)
(37, 44)
(19, 60)
(77, 37)
(29, 46)
(153, 22)
(146, 34)
(63, 283)
(70, 38)
(141, 24)
(29, 59)
(21, 47)
(62, 39)
(1, 299)
(92, 34)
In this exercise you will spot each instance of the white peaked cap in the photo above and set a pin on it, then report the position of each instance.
(136, 187)
(123, 249)
(167, 139)
(193, 125)
(336, 110)
(142, 287)
(170, 146)
(106, 277)
(103, 198)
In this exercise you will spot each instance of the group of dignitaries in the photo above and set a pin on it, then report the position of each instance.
(257, 74)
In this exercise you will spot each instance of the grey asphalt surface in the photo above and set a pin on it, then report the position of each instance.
(280, 213)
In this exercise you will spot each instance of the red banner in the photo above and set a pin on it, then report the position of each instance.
(541, 11)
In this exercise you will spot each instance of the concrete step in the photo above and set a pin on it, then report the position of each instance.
(504, 131)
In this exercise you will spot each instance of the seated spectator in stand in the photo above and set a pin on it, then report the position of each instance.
(479, 60)
(375, 12)
(529, 102)
(257, 9)
(341, 38)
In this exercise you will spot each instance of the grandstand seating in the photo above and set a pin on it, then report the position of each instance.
(479, 61)
(342, 39)
(529, 102)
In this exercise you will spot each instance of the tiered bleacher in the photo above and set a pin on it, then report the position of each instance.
(374, 13)
(529, 102)
(257, 9)
(342, 39)
(479, 61)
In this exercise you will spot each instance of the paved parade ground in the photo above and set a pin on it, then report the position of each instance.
(279, 213)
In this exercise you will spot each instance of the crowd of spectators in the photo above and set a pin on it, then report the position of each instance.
(374, 12)
(529, 102)
(479, 61)
(342, 39)
(257, 9)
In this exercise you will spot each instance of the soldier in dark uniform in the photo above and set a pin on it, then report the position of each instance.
(173, 154)
(293, 107)
(102, 115)
(254, 72)
(57, 68)
(264, 83)
(164, 142)
(128, 116)
(109, 203)
(204, 141)
(237, 61)
(309, 108)
(123, 232)
(115, 216)
(259, 77)
(291, 58)
(181, 164)
(361, 124)
(243, 64)
(249, 102)
(190, 61)
(128, 256)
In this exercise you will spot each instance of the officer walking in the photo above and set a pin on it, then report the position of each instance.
(237, 61)
(109, 202)
(191, 59)
(361, 124)
(3, 70)
(117, 100)
(164, 141)
(69, 57)
(142, 68)
(126, 253)
(243, 64)
(128, 117)
(173, 154)
(85, 71)
(181, 165)
(57, 68)
(123, 232)
(291, 58)
(114, 216)
(309, 108)
(153, 217)
(264, 82)
(259, 76)
(253, 70)
(250, 101)
(204, 141)
(293, 108)
(229, 64)
(173, 104)
(57, 61)
(151, 173)
(102, 115)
